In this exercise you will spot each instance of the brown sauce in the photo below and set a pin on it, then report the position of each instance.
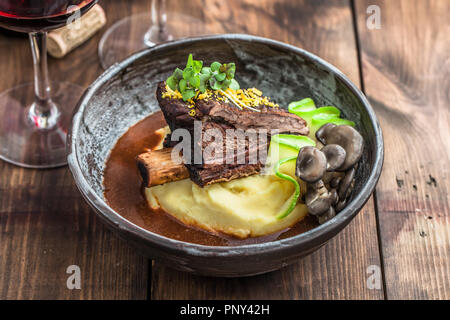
(123, 191)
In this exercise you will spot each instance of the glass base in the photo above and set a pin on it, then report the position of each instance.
(30, 141)
(135, 33)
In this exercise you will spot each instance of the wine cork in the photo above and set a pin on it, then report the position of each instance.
(62, 41)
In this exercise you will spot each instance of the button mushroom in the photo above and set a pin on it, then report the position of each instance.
(323, 132)
(341, 205)
(335, 155)
(348, 138)
(318, 199)
(345, 184)
(330, 214)
(334, 197)
(350, 189)
(334, 183)
(311, 164)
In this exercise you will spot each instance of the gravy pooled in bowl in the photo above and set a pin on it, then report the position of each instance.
(124, 192)
(245, 167)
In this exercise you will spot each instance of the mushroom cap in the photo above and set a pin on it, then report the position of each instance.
(336, 156)
(349, 139)
(328, 215)
(334, 197)
(341, 205)
(311, 164)
(318, 199)
(350, 189)
(322, 133)
(345, 183)
(334, 183)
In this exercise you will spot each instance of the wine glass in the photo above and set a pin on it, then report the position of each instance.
(35, 117)
(145, 30)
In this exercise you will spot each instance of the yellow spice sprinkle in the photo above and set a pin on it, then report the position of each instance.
(256, 91)
(169, 93)
(202, 96)
(251, 97)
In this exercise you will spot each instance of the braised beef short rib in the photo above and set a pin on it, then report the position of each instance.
(243, 151)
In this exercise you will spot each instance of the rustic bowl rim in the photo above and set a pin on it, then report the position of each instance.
(115, 219)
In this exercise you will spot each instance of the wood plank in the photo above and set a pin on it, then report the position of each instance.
(406, 70)
(45, 225)
(339, 269)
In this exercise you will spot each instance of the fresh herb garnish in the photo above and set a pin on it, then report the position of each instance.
(196, 78)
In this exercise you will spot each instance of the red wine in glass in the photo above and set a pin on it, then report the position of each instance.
(35, 117)
(39, 15)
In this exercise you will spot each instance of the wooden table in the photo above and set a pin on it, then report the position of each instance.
(401, 237)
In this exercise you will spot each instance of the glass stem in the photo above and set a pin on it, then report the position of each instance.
(159, 16)
(158, 31)
(43, 113)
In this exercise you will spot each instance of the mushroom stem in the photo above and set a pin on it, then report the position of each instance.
(318, 199)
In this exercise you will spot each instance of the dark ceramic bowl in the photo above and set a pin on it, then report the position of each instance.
(125, 94)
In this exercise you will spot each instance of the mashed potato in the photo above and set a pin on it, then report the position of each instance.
(243, 208)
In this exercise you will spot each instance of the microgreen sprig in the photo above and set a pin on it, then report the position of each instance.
(196, 78)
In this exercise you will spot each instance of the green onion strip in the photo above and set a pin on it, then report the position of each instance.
(296, 194)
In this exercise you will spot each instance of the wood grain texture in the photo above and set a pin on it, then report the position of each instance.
(406, 69)
(338, 270)
(45, 225)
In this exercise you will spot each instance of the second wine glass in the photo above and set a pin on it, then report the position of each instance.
(145, 30)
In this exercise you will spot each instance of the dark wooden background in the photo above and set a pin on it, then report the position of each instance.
(403, 231)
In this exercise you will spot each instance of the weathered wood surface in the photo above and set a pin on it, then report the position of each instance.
(338, 270)
(45, 225)
(406, 71)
